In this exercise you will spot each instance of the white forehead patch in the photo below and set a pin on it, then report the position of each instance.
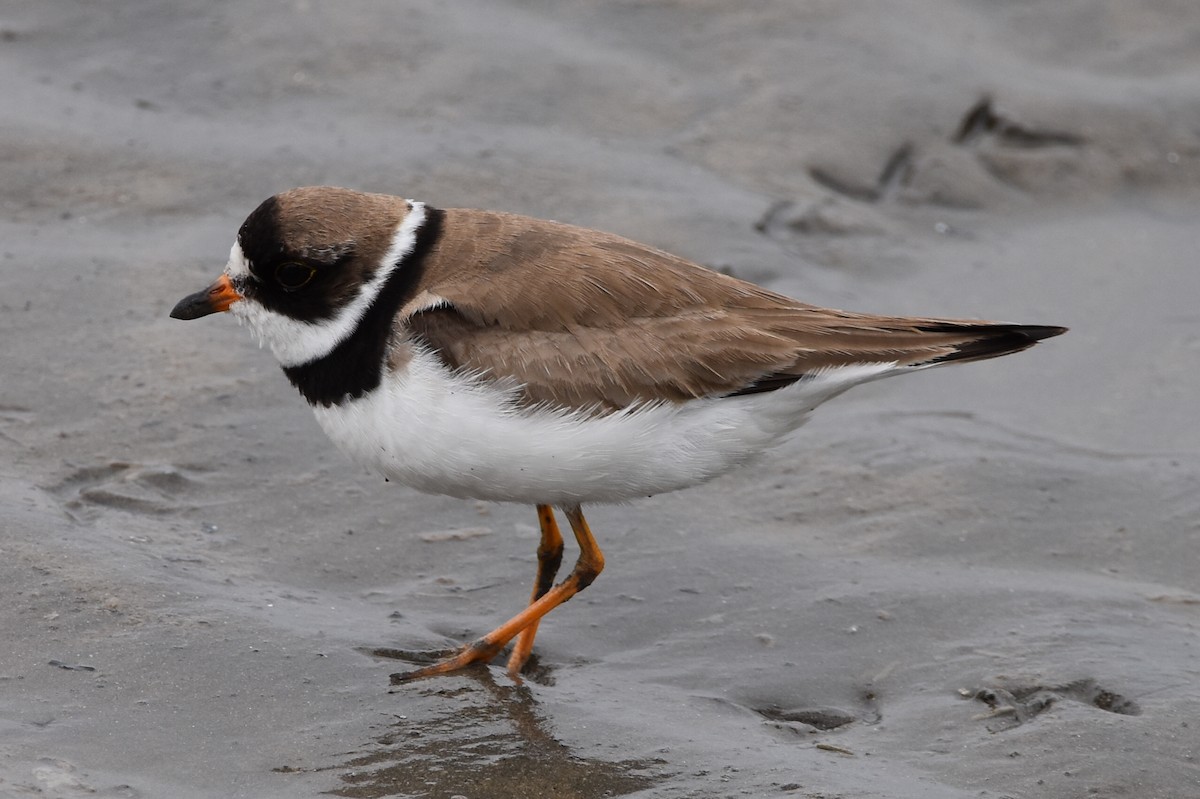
(295, 342)
(238, 266)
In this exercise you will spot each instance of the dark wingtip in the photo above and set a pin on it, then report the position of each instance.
(992, 341)
(1039, 332)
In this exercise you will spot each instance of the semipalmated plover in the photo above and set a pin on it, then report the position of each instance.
(485, 355)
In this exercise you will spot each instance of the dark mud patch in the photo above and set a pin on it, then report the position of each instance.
(71, 666)
(483, 739)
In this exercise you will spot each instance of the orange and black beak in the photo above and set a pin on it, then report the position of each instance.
(217, 297)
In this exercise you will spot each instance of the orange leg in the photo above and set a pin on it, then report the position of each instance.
(549, 554)
(589, 565)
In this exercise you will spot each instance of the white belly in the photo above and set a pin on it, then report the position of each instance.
(449, 434)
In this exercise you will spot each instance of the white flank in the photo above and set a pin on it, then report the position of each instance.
(460, 435)
(295, 342)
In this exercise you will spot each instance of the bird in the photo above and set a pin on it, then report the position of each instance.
(490, 356)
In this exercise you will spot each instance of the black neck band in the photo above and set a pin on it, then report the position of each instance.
(355, 366)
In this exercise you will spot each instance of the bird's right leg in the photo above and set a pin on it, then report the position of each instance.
(549, 553)
(590, 564)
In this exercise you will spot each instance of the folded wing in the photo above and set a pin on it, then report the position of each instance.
(587, 320)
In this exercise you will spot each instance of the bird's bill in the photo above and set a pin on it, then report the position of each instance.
(214, 299)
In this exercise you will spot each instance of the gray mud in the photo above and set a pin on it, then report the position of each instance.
(980, 582)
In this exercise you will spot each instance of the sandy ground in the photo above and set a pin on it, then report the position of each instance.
(980, 582)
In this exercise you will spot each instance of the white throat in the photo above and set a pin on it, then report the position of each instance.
(295, 342)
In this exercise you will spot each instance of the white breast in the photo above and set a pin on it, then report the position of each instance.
(452, 434)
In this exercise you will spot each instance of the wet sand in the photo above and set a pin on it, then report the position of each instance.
(977, 582)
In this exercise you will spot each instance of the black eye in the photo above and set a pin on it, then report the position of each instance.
(293, 276)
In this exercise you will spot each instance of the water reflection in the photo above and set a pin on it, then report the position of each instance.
(481, 740)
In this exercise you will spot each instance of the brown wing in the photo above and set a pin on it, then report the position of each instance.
(584, 319)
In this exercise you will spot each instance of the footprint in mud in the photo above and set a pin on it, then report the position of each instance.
(135, 488)
(13, 416)
(1015, 704)
(897, 172)
(785, 221)
(1017, 155)
(1022, 156)
(53, 776)
(805, 719)
(981, 121)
